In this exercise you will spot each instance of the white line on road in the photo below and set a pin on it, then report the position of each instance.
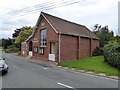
(65, 85)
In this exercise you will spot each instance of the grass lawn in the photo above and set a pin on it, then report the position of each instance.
(95, 64)
(1, 49)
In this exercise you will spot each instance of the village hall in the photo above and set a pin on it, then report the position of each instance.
(55, 39)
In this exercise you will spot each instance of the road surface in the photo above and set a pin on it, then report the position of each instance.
(24, 74)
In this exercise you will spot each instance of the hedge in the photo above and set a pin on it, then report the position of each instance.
(11, 49)
(112, 54)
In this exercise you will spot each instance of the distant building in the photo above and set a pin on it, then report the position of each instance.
(56, 39)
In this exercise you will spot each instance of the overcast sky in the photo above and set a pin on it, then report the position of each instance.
(87, 12)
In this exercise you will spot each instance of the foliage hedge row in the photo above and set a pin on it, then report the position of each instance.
(11, 49)
(112, 54)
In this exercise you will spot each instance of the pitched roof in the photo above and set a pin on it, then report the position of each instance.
(70, 28)
(65, 27)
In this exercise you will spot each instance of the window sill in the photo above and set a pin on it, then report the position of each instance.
(43, 46)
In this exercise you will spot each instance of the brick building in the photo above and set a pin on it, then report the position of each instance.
(56, 39)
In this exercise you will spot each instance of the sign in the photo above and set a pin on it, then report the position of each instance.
(52, 57)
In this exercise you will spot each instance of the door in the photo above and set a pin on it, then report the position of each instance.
(52, 51)
(30, 49)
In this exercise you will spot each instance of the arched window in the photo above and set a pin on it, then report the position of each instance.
(43, 38)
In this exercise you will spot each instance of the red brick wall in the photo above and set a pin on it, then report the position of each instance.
(51, 37)
(68, 47)
(23, 49)
(69, 44)
(84, 47)
(95, 43)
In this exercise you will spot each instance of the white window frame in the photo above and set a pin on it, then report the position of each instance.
(43, 38)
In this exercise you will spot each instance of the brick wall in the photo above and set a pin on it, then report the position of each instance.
(23, 49)
(68, 47)
(95, 43)
(84, 47)
(51, 37)
(72, 47)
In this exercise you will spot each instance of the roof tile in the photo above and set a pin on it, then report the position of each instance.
(69, 28)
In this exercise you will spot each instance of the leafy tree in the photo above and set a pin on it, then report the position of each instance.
(112, 53)
(5, 42)
(103, 33)
(16, 33)
(23, 35)
(115, 39)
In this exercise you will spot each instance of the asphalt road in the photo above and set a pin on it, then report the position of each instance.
(24, 74)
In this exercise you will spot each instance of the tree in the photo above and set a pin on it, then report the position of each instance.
(103, 33)
(16, 33)
(5, 42)
(115, 39)
(23, 35)
(112, 52)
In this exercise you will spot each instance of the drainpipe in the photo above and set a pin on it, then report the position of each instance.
(91, 47)
(59, 49)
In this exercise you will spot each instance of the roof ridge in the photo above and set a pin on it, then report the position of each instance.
(84, 29)
(64, 19)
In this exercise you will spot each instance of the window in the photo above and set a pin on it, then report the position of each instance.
(35, 49)
(43, 38)
(41, 50)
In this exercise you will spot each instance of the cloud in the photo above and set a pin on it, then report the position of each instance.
(92, 12)
(6, 34)
(88, 12)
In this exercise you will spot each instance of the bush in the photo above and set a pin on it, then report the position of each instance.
(11, 49)
(112, 54)
(97, 51)
(19, 53)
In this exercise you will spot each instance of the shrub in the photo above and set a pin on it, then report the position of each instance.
(11, 49)
(19, 53)
(97, 51)
(112, 54)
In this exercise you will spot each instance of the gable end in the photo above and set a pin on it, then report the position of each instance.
(49, 23)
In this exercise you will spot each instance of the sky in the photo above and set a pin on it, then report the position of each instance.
(86, 12)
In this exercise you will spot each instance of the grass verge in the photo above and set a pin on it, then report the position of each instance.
(1, 48)
(95, 64)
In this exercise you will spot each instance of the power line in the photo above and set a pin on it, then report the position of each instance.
(28, 8)
(39, 7)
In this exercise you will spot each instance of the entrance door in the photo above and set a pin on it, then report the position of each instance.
(52, 51)
(30, 49)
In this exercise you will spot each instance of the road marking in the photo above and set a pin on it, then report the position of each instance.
(65, 85)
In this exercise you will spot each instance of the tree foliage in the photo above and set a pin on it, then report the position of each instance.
(16, 33)
(115, 39)
(24, 33)
(5, 42)
(19, 36)
(112, 54)
(103, 33)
